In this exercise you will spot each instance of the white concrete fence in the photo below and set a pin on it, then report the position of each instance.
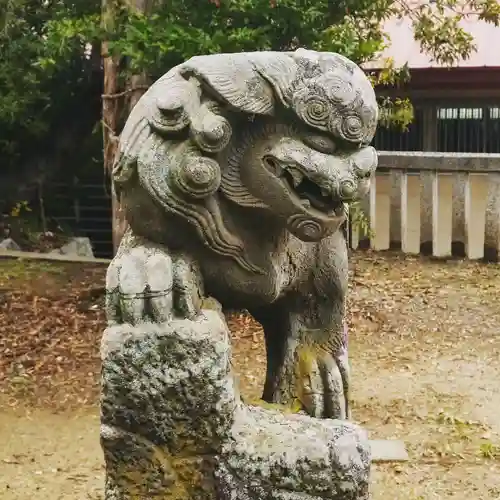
(438, 198)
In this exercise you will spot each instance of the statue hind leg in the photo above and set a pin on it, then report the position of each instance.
(306, 339)
(304, 364)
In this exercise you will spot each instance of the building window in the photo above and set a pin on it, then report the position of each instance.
(492, 139)
(468, 129)
(460, 130)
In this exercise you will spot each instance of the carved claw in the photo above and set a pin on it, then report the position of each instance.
(322, 382)
(145, 283)
(139, 286)
(188, 291)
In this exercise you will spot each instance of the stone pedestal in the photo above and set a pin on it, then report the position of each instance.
(173, 426)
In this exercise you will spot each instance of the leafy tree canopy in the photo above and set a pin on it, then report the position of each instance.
(50, 49)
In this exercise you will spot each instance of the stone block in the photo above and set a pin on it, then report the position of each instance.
(173, 425)
(81, 247)
(9, 244)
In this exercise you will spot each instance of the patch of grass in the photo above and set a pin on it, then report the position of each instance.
(20, 386)
(462, 428)
(490, 450)
(452, 439)
(24, 269)
(13, 271)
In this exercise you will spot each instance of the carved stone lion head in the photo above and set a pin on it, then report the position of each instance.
(287, 133)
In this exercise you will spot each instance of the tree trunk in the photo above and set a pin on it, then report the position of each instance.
(110, 113)
(114, 100)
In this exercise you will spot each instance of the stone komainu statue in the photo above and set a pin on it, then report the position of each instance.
(235, 172)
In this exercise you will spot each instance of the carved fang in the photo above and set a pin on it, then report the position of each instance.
(296, 176)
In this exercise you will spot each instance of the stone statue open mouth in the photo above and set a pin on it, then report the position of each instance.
(311, 195)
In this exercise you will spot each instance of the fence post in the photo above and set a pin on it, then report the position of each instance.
(442, 212)
(476, 201)
(410, 212)
(380, 211)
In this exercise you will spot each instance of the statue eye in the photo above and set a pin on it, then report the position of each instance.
(320, 143)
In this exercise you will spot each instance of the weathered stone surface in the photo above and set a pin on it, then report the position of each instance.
(167, 407)
(78, 246)
(9, 244)
(243, 165)
(173, 425)
(274, 456)
(427, 161)
(235, 172)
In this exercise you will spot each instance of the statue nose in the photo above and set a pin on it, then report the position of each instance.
(363, 171)
(364, 162)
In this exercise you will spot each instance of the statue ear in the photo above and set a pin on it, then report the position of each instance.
(248, 82)
(280, 70)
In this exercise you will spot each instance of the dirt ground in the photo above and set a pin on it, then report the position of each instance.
(425, 355)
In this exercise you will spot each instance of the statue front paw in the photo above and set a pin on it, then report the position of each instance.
(322, 382)
(145, 282)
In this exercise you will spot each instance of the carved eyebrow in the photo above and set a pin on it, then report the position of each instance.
(314, 139)
(342, 145)
(350, 145)
(307, 129)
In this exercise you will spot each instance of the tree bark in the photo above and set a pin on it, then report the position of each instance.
(110, 113)
(113, 103)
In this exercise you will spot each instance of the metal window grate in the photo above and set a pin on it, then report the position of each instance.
(460, 113)
(492, 135)
(461, 130)
(458, 129)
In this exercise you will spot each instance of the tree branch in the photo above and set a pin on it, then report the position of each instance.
(125, 92)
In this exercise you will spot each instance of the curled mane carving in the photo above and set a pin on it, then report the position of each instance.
(175, 142)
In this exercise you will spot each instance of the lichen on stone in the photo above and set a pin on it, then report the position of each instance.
(181, 432)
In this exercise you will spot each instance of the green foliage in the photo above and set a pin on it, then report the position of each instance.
(489, 450)
(38, 91)
(395, 112)
(360, 221)
(171, 33)
(20, 208)
(50, 50)
(437, 25)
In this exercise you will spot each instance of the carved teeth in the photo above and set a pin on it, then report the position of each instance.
(296, 176)
(306, 203)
